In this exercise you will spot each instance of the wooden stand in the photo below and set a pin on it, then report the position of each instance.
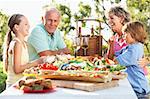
(94, 47)
(95, 41)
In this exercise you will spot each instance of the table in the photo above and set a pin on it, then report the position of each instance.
(123, 91)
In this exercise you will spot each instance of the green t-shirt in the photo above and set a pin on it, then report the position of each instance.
(40, 40)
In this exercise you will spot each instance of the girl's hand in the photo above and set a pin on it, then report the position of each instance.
(39, 61)
(115, 61)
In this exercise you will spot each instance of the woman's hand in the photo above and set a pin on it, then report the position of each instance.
(144, 61)
(111, 40)
(110, 53)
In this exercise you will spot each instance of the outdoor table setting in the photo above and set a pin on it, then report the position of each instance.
(66, 76)
(89, 50)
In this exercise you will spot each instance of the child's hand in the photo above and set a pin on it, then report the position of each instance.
(41, 60)
(115, 61)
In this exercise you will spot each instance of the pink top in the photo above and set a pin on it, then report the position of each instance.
(119, 43)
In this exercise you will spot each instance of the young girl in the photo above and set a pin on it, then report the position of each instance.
(16, 58)
(135, 36)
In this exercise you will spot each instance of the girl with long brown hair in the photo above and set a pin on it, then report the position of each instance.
(16, 58)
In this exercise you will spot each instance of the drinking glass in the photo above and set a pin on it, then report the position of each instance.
(84, 43)
(76, 45)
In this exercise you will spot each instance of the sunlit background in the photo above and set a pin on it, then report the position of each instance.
(33, 9)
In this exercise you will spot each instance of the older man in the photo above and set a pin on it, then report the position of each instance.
(45, 38)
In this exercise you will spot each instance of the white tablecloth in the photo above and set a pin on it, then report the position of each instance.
(123, 91)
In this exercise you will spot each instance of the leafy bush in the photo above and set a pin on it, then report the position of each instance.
(2, 79)
(3, 29)
(69, 44)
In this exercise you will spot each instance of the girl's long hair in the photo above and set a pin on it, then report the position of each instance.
(14, 19)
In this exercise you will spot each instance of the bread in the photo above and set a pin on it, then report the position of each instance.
(35, 84)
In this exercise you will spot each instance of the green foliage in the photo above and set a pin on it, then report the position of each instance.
(65, 24)
(2, 78)
(116, 68)
(84, 11)
(3, 29)
(99, 9)
(147, 48)
(117, 1)
(140, 10)
(69, 44)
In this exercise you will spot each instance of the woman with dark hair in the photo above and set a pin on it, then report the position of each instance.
(16, 58)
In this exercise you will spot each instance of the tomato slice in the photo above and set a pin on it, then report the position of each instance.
(47, 66)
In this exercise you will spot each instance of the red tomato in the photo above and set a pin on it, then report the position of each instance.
(48, 66)
(98, 76)
(96, 69)
(107, 60)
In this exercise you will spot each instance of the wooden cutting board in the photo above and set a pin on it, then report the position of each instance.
(86, 86)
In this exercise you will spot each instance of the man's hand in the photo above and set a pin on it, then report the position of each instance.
(49, 52)
(64, 51)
